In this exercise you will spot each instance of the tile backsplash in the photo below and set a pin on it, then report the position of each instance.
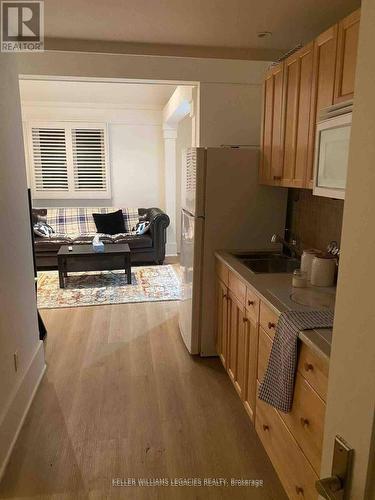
(313, 220)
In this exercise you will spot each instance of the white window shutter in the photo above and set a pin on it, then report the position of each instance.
(50, 169)
(89, 159)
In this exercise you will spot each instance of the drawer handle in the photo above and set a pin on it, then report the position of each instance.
(304, 422)
(309, 367)
(266, 427)
(299, 490)
(271, 325)
(251, 302)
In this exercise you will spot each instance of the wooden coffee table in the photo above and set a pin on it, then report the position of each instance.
(84, 258)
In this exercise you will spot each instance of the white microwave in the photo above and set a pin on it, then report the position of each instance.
(331, 156)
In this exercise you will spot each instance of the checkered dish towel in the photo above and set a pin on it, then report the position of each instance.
(277, 387)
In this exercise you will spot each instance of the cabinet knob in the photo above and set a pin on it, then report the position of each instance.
(271, 325)
(266, 427)
(251, 302)
(305, 422)
(299, 490)
(225, 296)
(245, 320)
(308, 367)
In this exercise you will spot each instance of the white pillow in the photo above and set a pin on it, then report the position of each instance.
(43, 229)
(142, 227)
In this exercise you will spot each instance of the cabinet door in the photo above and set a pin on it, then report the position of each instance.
(298, 73)
(347, 45)
(251, 346)
(325, 48)
(271, 155)
(236, 342)
(221, 321)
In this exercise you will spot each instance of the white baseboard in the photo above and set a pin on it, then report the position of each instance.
(16, 410)
(171, 249)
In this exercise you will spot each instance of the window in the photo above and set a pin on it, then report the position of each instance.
(69, 160)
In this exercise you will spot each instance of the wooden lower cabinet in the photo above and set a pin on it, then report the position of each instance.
(314, 369)
(222, 321)
(264, 350)
(236, 360)
(306, 421)
(295, 472)
(249, 394)
(245, 327)
(268, 319)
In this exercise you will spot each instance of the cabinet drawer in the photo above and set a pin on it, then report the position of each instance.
(264, 351)
(314, 369)
(237, 287)
(295, 473)
(252, 304)
(306, 421)
(222, 271)
(268, 319)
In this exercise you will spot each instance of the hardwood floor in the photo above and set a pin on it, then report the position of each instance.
(122, 398)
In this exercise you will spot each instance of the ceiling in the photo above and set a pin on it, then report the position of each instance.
(200, 23)
(122, 94)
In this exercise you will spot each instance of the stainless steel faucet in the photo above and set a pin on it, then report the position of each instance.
(292, 246)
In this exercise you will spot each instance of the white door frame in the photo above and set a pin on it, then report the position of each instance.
(177, 108)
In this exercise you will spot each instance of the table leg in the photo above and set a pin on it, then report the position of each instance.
(128, 270)
(61, 272)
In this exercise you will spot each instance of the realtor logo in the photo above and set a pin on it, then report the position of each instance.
(22, 26)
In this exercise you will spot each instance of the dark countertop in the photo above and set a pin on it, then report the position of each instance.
(276, 290)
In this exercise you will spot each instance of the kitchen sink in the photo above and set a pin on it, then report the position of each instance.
(268, 262)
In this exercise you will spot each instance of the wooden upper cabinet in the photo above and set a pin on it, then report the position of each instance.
(298, 71)
(272, 154)
(296, 92)
(347, 46)
(325, 49)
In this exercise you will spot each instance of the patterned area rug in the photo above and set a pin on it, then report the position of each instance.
(149, 284)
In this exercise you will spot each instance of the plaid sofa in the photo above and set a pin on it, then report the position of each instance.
(76, 226)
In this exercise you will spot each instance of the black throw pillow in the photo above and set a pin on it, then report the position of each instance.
(111, 223)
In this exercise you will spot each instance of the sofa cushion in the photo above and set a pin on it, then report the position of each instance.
(86, 239)
(52, 243)
(134, 240)
(111, 223)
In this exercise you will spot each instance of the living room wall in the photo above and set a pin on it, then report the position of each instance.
(135, 144)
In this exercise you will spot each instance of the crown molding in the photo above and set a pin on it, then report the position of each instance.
(164, 50)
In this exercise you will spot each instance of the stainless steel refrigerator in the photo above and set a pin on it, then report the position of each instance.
(223, 207)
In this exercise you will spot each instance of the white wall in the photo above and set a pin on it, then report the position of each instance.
(230, 113)
(18, 317)
(136, 154)
(351, 394)
(135, 149)
(230, 90)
